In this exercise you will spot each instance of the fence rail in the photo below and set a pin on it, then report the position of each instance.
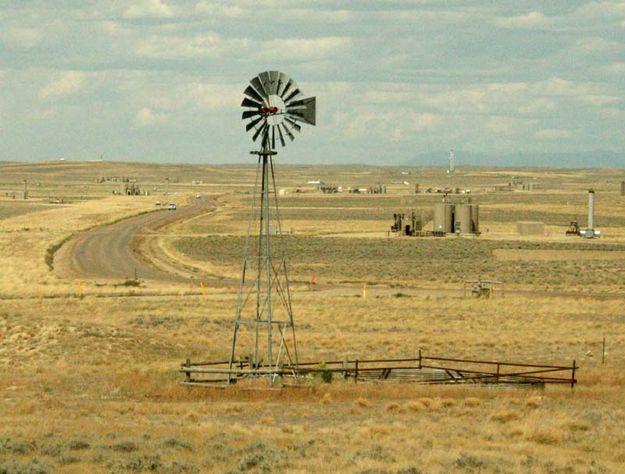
(421, 369)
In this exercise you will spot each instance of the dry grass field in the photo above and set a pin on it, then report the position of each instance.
(88, 368)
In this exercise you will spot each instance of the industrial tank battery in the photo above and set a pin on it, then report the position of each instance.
(443, 217)
(456, 218)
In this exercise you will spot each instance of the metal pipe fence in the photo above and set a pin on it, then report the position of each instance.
(421, 369)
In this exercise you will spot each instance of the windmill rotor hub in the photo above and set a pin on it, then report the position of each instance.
(268, 110)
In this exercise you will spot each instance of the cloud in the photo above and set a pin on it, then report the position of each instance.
(221, 10)
(211, 96)
(600, 100)
(533, 19)
(303, 49)
(148, 8)
(616, 68)
(147, 117)
(181, 47)
(556, 86)
(552, 133)
(21, 37)
(395, 124)
(597, 45)
(65, 84)
(536, 106)
(111, 28)
(508, 125)
(214, 45)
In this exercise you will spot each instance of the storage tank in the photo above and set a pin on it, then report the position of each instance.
(443, 217)
(475, 218)
(464, 218)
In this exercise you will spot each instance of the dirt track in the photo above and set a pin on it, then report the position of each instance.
(106, 252)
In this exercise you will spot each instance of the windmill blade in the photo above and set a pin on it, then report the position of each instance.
(293, 124)
(259, 87)
(250, 92)
(274, 77)
(259, 131)
(251, 103)
(253, 123)
(280, 135)
(288, 132)
(305, 112)
(273, 137)
(291, 85)
(283, 81)
(269, 84)
(292, 95)
(249, 113)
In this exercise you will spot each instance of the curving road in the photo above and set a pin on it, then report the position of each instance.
(107, 251)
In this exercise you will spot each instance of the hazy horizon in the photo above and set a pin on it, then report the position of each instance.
(591, 160)
(397, 82)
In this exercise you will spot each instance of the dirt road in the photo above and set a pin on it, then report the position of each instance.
(107, 251)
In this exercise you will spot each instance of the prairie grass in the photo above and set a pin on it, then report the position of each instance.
(88, 370)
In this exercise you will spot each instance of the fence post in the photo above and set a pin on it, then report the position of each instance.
(420, 359)
(356, 371)
(188, 374)
(497, 376)
(603, 351)
(573, 375)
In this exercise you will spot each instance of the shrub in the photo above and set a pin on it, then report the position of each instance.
(178, 443)
(546, 436)
(472, 402)
(137, 464)
(362, 402)
(78, 444)
(504, 416)
(32, 467)
(468, 462)
(125, 446)
(9, 446)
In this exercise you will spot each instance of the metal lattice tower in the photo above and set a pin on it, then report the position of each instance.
(452, 162)
(274, 107)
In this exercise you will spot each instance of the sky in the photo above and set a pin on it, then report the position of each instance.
(162, 80)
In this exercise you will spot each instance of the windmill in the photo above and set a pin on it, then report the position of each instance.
(275, 107)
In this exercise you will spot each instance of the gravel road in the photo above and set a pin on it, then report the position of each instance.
(107, 251)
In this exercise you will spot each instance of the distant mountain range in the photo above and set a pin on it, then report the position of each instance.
(590, 159)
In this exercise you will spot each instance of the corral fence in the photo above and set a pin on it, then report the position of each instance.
(420, 369)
